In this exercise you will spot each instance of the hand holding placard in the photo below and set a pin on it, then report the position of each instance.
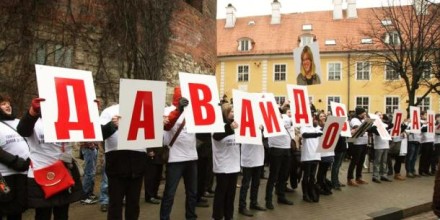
(35, 109)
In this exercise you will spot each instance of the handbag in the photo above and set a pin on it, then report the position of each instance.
(53, 179)
(166, 148)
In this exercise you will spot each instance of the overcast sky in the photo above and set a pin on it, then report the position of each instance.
(263, 7)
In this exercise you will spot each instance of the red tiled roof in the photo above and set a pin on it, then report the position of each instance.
(283, 38)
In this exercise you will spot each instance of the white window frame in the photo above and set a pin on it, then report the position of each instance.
(274, 72)
(363, 106)
(369, 70)
(328, 71)
(306, 39)
(423, 104)
(248, 72)
(366, 41)
(392, 38)
(386, 73)
(392, 104)
(280, 99)
(244, 44)
(427, 70)
(332, 97)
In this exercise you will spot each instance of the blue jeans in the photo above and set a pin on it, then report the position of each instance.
(339, 158)
(90, 157)
(103, 198)
(174, 171)
(411, 157)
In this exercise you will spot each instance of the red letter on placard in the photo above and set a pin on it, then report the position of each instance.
(199, 102)
(269, 117)
(143, 101)
(63, 126)
(300, 106)
(415, 124)
(340, 112)
(247, 118)
(330, 135)
(430, 123)
(396, 129)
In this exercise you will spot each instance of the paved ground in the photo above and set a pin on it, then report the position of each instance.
(350, 203)
(423, 216)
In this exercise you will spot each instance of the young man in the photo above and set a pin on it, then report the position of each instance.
(358, 149)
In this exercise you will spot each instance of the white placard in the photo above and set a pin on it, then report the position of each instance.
(415, 123)
(397, 122)
(330, 136)
(69, 111)
(203, 113)
(299, 105)
(270, 115)
(247, 115)
(383, 133)
(430, 117)
(141, 105)
(339, 110)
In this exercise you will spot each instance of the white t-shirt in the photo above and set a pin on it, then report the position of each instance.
(310, 145)
(426, 137)
(282, 141)
(252, 155)
(363, 140)
(413, 136)
(184, 148)
(13, 143)
(380, 143)
(226, 155)
(43, 154)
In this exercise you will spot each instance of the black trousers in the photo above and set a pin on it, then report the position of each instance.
(309, 177)
(435, 158)
(295, 169)
(59, 213)
(224, 196)
(279, 167)
(204, 174)
(426, 154)
(322, 175)
(250, 174)
(120, 187)
(153, 174)
(357, 153)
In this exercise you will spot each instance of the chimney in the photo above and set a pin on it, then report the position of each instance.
(337, 10)
(230, 16)
(276, 13)
(351, 9)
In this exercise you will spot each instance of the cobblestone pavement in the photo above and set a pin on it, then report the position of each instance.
(350, 203)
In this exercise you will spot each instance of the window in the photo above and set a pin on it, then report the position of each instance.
(363, 101)
(426, 72)
(366, 41)
(63, 56)
(334, 71)
(363, 71)
(280, 99)
(390, 72)
(243, 73)
(425, 104)
(391, 104)
(332, 99)
(386, 22)
(306, 40)
(330, 42)
(280, 72)
(392, 38)
(40, 53)
(244, 45)
(307, 27)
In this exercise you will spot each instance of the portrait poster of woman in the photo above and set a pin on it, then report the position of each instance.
(307, 64)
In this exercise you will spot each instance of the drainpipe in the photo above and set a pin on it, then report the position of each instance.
(348, 81)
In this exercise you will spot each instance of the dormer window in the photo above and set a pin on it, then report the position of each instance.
(306, 39)
(386, 22)
(392, 38)
(307, 27)
(244, 44)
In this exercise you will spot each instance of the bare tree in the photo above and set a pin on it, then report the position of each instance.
(406, 39)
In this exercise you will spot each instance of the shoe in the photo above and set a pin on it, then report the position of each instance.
(352, 183)
(158, 197)
(153, 200)
(257, 207)
(104, 207)
(410, 175)
(285, 201)
(383, 178)
(307, 199)
(202, 204)
(245, 212)
(92, 199)
(337, 188)
(269, 205)
(432, 173)
(424, 174)
(417, 175)
(342, 185)
(376, 180)
(361, 181)
(208, 195)
(289, 190)
(399, 177)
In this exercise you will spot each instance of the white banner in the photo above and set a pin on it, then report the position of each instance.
(414, 115)
(397, 122)
(141, 106)
(299, 105)
(330, 136)
(270, 115)
(248, 117)
(339, 110)
(203, 113)
(69, 112)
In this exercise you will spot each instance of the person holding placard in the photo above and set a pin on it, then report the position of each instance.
(327, 158)
(14, 163)
(396, 152)
(309, 161)
(226, 166)
(413, 151)
(381, 148)
(426, 147)
(43, 154)
(358, 150)
(182, 161)
(279, 162)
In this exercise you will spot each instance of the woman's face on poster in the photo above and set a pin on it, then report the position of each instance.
(306, 63)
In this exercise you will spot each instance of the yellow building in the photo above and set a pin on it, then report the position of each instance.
(255, 54)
